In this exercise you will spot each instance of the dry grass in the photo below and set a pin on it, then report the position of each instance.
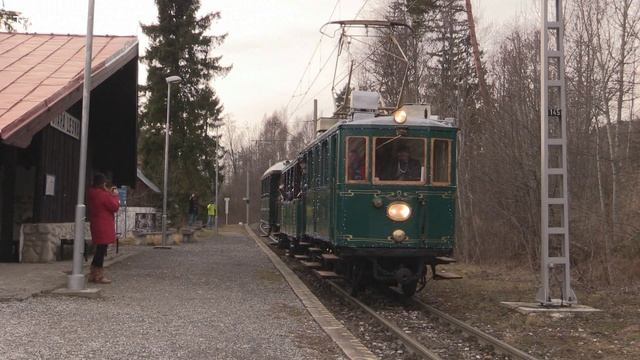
(613, 333)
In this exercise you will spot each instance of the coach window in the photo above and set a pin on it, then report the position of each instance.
(316, 167)
(356, 160)
(325, 162)
(309, 169)
(441, 162)
(399, 160)
(297, 187)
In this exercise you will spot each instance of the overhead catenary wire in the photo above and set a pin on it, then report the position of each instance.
(313, 54)
(343, 77)
(362, 8)
(303, 95)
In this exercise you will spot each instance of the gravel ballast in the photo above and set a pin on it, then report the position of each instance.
(217, 299)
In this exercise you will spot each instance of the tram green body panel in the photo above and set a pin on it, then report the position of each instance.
(299, 220)
(441, 225)
(309, 211)
(322, 210)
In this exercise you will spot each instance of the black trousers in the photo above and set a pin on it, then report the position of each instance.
(98, 257)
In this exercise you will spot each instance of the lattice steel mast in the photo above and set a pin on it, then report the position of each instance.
(554, 188)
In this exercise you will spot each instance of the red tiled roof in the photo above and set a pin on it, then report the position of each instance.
(40, 73)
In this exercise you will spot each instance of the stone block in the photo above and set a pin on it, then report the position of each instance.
(46, 252)
(29, 255)
(28, 229)
(43, 228)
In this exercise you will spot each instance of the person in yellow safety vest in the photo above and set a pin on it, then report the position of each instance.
(211, 212)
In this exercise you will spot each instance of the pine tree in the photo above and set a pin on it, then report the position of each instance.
(454, 82)
(179, 45)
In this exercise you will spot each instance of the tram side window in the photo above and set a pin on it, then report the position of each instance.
(309, 170)
(399, 160)
(316, 166)
(281, 187)
(356, 162)
(287, 189)
(325, 162)
(441, 162)
(304, 172)
(298, 179)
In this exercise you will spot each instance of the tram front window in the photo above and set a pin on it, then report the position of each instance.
(399, 160)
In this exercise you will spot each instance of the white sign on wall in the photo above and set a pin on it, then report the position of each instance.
(67, 124)
(50, 185)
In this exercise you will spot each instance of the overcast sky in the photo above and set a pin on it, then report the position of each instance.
(269, 42)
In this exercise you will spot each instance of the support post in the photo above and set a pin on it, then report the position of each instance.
(553, 176)
(76, 279)
(216, 187)
(166, 169)
(247, 198)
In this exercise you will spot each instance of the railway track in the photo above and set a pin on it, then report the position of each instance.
(418, 346)
(499, 345)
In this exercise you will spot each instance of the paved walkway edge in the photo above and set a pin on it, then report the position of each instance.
(349, 344)
(85, 266)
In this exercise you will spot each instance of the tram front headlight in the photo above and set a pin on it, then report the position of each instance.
(400, 117)
(399, 211)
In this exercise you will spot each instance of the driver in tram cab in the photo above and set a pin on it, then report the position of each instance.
(356, 169)
(403, 168)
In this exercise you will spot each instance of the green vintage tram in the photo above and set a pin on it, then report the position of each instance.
(372, 198)
(373, 194)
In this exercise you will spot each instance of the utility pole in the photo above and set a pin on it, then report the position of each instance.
(315, 117)
(170, 80)
(247, 199)
(215, 158)
(554, 195)
(76, 279)
(315, 110)
(476, 54)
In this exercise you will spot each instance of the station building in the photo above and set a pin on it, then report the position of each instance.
(41, 80)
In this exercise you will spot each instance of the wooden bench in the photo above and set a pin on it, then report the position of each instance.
(187, 234)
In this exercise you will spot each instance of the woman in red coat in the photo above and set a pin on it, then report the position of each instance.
(102, 204)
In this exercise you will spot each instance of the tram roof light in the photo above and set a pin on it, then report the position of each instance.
(400, 117)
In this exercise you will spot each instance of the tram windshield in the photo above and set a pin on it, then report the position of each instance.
(399, 160)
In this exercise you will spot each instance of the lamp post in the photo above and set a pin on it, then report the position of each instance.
(170, 80)
(215, 158)
(76, 279)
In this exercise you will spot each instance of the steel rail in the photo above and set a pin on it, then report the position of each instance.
(498, 344)
(411, 343)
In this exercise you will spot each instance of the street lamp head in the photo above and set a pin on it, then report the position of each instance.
(173, 79)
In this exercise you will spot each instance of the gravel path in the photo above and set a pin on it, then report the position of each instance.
(218, 299)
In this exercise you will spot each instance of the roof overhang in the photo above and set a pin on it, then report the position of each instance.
(19, 130)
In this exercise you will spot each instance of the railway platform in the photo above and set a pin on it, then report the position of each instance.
(219, 298)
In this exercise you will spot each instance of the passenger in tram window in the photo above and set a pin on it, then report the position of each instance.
(297, 182)
(303, 177)
(356, 169)
(403, 167)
